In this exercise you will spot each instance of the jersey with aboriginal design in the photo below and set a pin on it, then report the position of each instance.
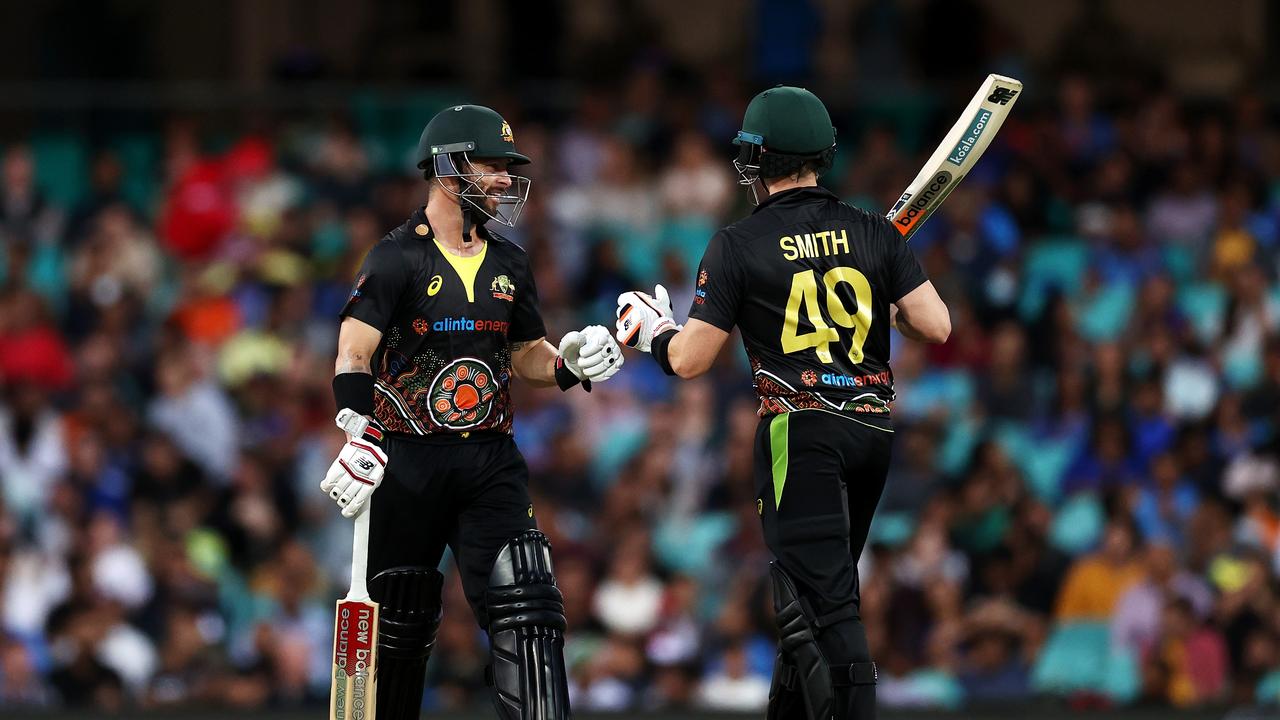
(444, 362)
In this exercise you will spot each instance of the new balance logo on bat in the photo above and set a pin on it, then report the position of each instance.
(1001, 96)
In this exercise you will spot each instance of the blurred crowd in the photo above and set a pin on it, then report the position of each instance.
(1083, 499)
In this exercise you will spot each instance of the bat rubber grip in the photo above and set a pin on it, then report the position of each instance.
(360, 554)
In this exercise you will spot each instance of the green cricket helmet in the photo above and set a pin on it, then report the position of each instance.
(461, 134)
(783, 128)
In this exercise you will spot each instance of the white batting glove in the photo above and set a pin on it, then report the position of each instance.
(570, 352)
(600, 357)
(361, 463)
(642, 317)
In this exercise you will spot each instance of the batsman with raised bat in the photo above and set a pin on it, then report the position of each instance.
(809, 282)
(443, 315)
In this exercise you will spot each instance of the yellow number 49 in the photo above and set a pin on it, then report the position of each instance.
(804, 295)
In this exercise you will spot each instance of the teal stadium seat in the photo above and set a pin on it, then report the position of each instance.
(62, 167)
(1242, 370)
(950, 389)
(1180, 262)
(1042, 461)
(892, 529)
(1077, 657)
(390, 126)
(1078, 524)
(1105, 314)
(140, 159)
(1044, 466)
(963, 434)
(1052, 263)
(1269, 689)
(639, 248)
(46, 274)
(687, 237)
(1205, 305)
(922, 688)
(624, 442)
(689, 545)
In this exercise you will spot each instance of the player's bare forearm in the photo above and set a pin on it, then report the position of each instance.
(904, 327)
(357, 341)
(694, 349)
(535, 362)
(922, 316)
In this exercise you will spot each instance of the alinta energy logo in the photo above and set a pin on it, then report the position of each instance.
(465, 324)
(838, 380)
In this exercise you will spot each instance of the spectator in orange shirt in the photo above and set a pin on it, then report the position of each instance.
(1095, 582)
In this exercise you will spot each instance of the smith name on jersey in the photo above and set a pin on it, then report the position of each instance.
(448, 322)
(809, 280)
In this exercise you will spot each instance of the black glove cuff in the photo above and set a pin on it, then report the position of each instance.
(354, 390)
(565, 378)
(658, 349)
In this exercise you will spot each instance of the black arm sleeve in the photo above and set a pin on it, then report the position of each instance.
(721, 283)
(382, 280)
(526, 320)
(903, 272)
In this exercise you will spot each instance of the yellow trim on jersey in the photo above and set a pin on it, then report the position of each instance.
(466, 267)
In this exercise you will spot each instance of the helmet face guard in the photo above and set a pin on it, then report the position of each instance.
(750, 148)
(453, 161)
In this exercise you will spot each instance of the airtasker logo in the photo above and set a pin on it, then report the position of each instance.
(465, 324)
(970, 138)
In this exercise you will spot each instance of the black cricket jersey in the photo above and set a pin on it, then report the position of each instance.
(808, 280)
(444, 362)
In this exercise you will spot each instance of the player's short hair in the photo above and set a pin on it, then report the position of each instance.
(784, 165)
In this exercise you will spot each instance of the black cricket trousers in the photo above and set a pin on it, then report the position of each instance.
(819, 476)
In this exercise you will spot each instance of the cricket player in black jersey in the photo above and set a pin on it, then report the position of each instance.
(443, 315)
(813, 284)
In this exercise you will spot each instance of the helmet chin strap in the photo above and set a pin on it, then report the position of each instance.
(469, 221)
(472, 217)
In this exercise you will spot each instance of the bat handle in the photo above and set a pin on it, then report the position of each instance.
(360, 554)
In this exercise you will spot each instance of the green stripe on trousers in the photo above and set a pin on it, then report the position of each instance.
(778, 431)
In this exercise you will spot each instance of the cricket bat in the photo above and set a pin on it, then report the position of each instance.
(355, 638)
(957, 154)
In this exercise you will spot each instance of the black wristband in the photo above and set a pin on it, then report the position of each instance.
(354, 390)
(565, 378)
(658, 349)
